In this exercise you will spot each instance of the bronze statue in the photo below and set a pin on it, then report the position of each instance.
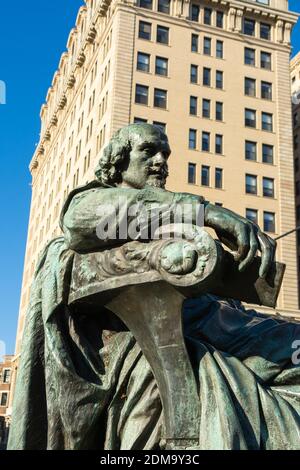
(84, 382)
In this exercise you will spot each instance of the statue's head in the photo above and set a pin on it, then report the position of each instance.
(136, 156)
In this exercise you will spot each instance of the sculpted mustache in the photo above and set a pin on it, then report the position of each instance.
(162, 170)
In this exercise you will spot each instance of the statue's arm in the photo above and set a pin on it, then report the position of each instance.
(91, 208)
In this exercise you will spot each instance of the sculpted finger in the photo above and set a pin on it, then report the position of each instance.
(267, 253)
(243, 240)
(252, 252)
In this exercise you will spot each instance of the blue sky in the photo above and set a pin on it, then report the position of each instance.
(33, 34)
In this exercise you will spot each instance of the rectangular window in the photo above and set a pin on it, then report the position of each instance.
(205, 142)
(249, 56)
(143, 62)
(138, 120)
(250, 150)
(206, 76)
(192, 139)
(269, 222)
(192, 173)
(251, 184)
(206, 108)
(250, 118)
(219, 178)
(249, 27)
(297, 188)
(268, 187)
(296, 165)
(207, 46)
(207, 16)
(195, 11)
(141, 94)
(219, 49)
(162, 35)
(161, 66)
(266, 90)
(219, 144)
(146, 4)
(145, 30)
(161, 125)
(220, 19)
(251, 214)
(250, 87)
(219, 111)
(6, 376)
(160, 98)
(265, 31)
(205, 175)
(195, 43)
(193, 105)
(164, 6)
(267, 122)
(298, 216)
(265, 60)
(4, 400)
(219, 79)
(194, 74)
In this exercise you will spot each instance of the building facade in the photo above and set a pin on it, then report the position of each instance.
(214, 74)
(6, 380)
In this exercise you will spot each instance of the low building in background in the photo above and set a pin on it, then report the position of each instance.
(6, 378)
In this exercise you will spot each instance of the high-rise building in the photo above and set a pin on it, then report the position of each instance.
(6, 380)
(295, 79)
(214, 74)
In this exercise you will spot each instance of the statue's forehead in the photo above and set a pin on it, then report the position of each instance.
(145, 136)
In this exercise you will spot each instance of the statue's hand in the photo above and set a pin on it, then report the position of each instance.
(178, 258)
(242, 236)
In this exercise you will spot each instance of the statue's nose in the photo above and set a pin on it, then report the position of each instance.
(159, 158)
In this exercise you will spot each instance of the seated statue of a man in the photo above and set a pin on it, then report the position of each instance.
(83, 382)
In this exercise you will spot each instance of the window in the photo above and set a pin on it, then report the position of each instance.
(192, 173)
(205, 175)
(195, 11)
(143, 62)
(207, 46)
(268, 187)
(207, 16)
(206, 108)
(195, 43)
(161, 125)
(6, 376)
(146, 4)
(219, 49)
(251, 184)
(250, 150)
(295, 119)
(266, 90)
(4, 400)
(298, 214)
(296, 164)
(193, 105)
(139, 120)
(250, 118)
(220, 19)
(194, 74)
(265, 60)
(205, 142)
(164, 6)
(295, 141)
(141, 94)
(249, 56)
(250, 87)
(251, 214)
(219, 144)
(206, 76)
(145, 30)
(160, 98)
(265, 31)
(267, 122)
(162, 35)
(192, 139)
(219, 79)
(297, 188)
(219, 178)
(161, 66)
(249, 27)
(269, 222)
(219, 111)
